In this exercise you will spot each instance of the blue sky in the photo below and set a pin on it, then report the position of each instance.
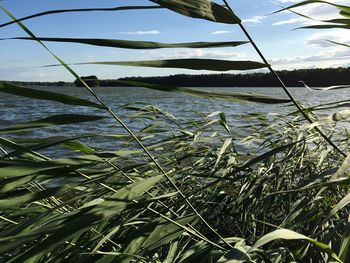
(284, 48)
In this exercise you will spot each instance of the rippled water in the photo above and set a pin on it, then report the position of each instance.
(14, 109)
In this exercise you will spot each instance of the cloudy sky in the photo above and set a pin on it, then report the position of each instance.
(284, 47)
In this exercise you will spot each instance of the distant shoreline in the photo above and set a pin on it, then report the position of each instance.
(312, 77)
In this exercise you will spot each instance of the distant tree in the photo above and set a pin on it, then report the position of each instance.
(92, 81)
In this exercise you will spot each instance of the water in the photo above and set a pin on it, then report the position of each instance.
(14, 109)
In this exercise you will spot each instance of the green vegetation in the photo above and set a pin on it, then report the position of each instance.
(178, 190)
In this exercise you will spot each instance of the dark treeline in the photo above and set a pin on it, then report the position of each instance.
(312, 77)
(43, 84)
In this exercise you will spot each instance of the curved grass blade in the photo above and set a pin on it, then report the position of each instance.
(325, 88)
(235, 255)
(41, 146)
(341, 44)
(59, 167)
(46, 95)
(203, 9)
(344, 202)
(194, 64)
(232, 96)
(344, 253)
(344, 21)
(287, 234)
(329, 26)
(165, 233)
(335, 117)
(343, 168)
(27, 198)
(329, 23)
(344, 9)
(59, 11)
(325, 106)
(61, 119)
(19, 150)
(260, 158)
(129, 44)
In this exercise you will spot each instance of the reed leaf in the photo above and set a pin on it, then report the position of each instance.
(341, 44)
(342, 8)
(231, 96)
(165, 233)
(287, 234)
(325, 88)
(329, 26)
(190, 63)
(19, 200)
(203, 9)
(333, 23)
(235, 255)
(334, 118)
(18, 149)
(343, 168)
(344, 202)
(344, 252)
(60, 167)
(130, 44)
(61, 119)
(13, 89)
(60, 11)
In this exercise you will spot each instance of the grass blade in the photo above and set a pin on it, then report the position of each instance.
(60, 11)
(46, 95)
(61, 119)
(194, 64)
(129, 44)
(203, 9)
(291, 235)
(326, 88)
(231, 96)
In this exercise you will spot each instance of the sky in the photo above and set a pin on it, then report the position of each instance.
(284, 47)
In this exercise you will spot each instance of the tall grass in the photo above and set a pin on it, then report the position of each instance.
(176, 191)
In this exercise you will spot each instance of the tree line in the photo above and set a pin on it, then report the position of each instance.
(312, 77)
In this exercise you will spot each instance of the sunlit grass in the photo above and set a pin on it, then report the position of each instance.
(176, 191)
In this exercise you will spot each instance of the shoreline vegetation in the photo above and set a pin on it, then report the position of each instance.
(178, 189)
(312, 77)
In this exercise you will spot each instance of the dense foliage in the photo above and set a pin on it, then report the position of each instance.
(274, 189)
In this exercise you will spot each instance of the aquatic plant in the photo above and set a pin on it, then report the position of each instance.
(176, 190)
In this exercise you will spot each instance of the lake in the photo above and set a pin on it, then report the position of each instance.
(15, 109)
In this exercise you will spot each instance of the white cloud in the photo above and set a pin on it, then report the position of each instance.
(150, 32)
(335, 57)
(287, 1)
(198, 53)
(289, 21)
(320, 39)
(254, 20)
(221, 32)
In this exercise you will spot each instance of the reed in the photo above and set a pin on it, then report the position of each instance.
(177, 190)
